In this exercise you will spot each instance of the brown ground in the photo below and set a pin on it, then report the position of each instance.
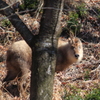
(79, 79)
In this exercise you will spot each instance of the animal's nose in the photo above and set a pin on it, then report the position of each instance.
(76, 55)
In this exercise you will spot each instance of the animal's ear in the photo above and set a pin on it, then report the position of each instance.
(71, 37)
(69, 40)
(72, 34)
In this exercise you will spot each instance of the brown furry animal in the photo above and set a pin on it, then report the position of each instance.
(19, 56)
(69, 51)
(18, 60)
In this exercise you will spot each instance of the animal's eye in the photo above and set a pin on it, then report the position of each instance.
(72, 47)
(79, 47)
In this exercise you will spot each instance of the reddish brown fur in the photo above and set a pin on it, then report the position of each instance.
(19, 56)
(69, 51)
(18, 60)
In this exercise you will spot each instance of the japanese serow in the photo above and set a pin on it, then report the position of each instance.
(19, 56)
(69, 51)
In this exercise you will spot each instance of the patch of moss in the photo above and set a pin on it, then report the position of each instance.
(29, 4)
(73, 23)
(93, 95)
(81, 10)
(5, 23)
(86, 75)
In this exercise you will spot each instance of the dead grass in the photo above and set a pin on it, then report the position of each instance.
(79, 79)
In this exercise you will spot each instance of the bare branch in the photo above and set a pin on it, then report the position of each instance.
(6, 10)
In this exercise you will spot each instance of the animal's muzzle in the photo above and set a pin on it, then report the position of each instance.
(76, 55)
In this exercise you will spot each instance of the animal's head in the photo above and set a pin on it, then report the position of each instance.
(75, 51)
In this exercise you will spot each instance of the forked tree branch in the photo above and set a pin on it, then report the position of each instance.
(6, 10)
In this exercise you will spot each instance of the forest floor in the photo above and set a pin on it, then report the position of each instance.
(76, 82)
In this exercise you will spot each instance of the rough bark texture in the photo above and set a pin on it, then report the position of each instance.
(44, 54)
(6, 10)
(43, 47)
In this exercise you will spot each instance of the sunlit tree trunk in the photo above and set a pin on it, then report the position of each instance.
(43, 46)
(44, 51)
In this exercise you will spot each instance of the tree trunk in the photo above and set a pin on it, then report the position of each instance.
(43, 46)
(44, 52)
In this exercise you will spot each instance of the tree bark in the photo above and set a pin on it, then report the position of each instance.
(6, 10)
(44, 54)
(43, 46)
